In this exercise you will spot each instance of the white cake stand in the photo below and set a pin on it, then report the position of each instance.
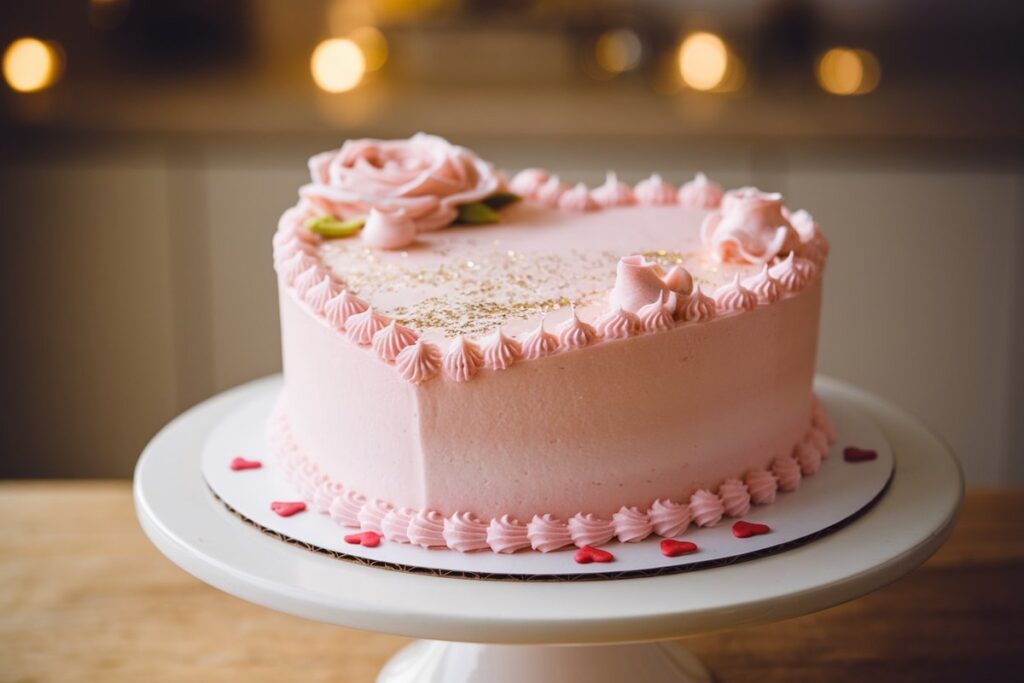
(593, 631)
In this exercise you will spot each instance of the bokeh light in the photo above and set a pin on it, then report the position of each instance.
(846, 71)
(337, 65)
(373, 44)
(618, 50)
(703, 61)
(30, 64)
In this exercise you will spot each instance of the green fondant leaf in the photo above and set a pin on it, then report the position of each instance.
(501, 199)
(330, 227)
(476, 214)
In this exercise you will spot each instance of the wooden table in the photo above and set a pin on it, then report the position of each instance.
(84, 596)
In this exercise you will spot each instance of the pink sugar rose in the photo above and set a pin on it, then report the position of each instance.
(749, 227)
(426, 176)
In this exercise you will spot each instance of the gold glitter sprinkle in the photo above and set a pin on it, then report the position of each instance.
(484, 288)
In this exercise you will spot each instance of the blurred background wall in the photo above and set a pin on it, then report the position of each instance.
(148, 147)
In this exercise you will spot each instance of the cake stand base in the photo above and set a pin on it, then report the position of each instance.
(432, 661)
(573, 631)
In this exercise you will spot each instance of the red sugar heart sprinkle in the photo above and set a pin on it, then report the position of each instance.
(673, 548)
(743, 529)
(367, 539)
(587, 554)
(241, 463)
(287, 509)
(854, 454)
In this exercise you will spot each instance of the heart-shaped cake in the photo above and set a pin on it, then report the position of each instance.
(506, 356)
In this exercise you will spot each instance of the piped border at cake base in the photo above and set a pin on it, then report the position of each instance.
(839, 493)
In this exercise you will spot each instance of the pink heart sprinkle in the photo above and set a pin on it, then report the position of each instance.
(587, 554)
(854, 454)
(367, 539)
(241, 463)
(743, 529)
(287, 509)
(673, 548)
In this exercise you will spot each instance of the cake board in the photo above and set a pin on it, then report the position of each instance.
(511, 631)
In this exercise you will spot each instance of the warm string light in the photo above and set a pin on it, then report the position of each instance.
(846, 71)
(618, 50)
(705, 63)
(31, 65)
(338, 65)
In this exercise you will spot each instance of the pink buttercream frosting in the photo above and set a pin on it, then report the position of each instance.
(550, 192)
(292, 267)
(669, 518)
(548, 533)
(762, 485)
(658, 316)
(319, 294)
(787, 471)
(527, 182)
(577, 199)
(748, 228)
(286, 245)
(465, 533)
(389, 341)
(654, 191)
(819, 438)
(306, 280)
(426, 176)
(500, 351)
(361, 327)
(325, 495)
(426, 529)
(764, 286)
(706, 508)
(734, 297)
(820, 419)
(808, 456)
(345, 508)
(790, 278)
(388, 229)
(735, 497)
(507, 534)
(462, 360)
(631, 525)
(395, 525)
(372, 514)
(613, 192)
(342, 307)
(418, 362)
(539, 343)
(618, 324)
(575, 334)
(588, 529)
(701, 193)
(699, 307)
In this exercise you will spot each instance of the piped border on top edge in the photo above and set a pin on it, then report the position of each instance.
(301, 271)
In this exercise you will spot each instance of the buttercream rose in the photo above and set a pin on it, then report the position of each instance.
(749, 227)
(425, 176)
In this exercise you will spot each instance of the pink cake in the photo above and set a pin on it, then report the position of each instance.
(475, 363)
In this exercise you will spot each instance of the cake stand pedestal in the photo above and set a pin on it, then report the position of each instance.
(504, 631)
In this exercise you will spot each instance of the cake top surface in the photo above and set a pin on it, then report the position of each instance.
(418, 246)
(538, 262)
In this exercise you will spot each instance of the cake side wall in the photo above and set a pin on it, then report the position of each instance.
(623, 422)
(350, 414)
